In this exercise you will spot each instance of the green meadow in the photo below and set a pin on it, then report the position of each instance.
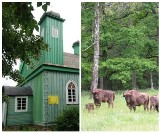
(119, 118)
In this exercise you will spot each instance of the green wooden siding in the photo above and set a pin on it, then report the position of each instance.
(57, 87)
(55, 53)
(54, 83)
(18, 118)
(76, 50)
(36, 85)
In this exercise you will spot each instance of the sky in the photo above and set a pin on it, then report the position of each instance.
(70, 11)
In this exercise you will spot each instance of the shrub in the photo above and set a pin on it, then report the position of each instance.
(68, 120)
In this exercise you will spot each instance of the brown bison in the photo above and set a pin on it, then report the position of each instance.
(89, 107)
(134, 98)
(100, 95)
(154, 103)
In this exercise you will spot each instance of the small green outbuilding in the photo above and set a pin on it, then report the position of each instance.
(18, 109)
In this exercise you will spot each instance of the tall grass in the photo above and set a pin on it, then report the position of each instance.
(119, 118)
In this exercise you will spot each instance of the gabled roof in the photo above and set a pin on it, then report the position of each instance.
(71, 60)
(17, 91)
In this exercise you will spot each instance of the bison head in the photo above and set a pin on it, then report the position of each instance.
(86, 106)
(96, 98)
(96, 94)
(127, 97)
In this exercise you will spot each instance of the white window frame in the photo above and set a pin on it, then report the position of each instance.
(54, 32)
(76, 93)
(22, 110)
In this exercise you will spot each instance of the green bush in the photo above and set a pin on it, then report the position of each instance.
(68, 120)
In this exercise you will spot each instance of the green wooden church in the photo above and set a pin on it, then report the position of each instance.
(54, 81)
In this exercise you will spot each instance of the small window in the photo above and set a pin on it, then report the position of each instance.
(21, 104)
(71, 93)
(54, 32)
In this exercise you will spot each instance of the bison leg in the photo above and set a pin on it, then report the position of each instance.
(145, 107)
(112, 105)
(108, 105)
(134, 108)
(130, 108)
(150, 107)
(157, 108)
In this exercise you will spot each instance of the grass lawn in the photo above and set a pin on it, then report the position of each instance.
(28, 128)
(119, 118)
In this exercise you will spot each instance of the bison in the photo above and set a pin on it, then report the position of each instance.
(100, 95)
(89, 107)
(134, 98)
(154, 103)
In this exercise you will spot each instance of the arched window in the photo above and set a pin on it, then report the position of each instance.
(71, 93)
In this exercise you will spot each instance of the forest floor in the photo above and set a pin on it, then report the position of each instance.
(119, 118)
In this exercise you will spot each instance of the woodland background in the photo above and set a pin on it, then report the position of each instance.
(128, 43)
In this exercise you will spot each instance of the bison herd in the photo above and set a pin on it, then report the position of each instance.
(133, 98)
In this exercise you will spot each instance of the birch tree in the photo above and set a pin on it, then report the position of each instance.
(96, 49)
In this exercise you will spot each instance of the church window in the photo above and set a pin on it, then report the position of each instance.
(71, 93)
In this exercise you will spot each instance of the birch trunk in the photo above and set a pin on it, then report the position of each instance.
(96, 49)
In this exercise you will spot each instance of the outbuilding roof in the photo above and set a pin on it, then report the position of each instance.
(17, 91)
(75, 43)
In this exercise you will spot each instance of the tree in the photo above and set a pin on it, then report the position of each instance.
(128, 33)
(18, 40)
(96, 49)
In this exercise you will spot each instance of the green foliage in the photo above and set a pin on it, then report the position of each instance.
(128, 41)
(5, 98)
(18, 40)
(68, 120)
(121, 68)
(86, 74)
(119, 118)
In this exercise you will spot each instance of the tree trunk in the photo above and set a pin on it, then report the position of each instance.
(96, 49)
(151, 79)
(134, 82)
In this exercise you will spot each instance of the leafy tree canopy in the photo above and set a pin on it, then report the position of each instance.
(18, 40)
(121, 68)
(128, 40)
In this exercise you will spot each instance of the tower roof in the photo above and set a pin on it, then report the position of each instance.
(52, 15)
(76, 43)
